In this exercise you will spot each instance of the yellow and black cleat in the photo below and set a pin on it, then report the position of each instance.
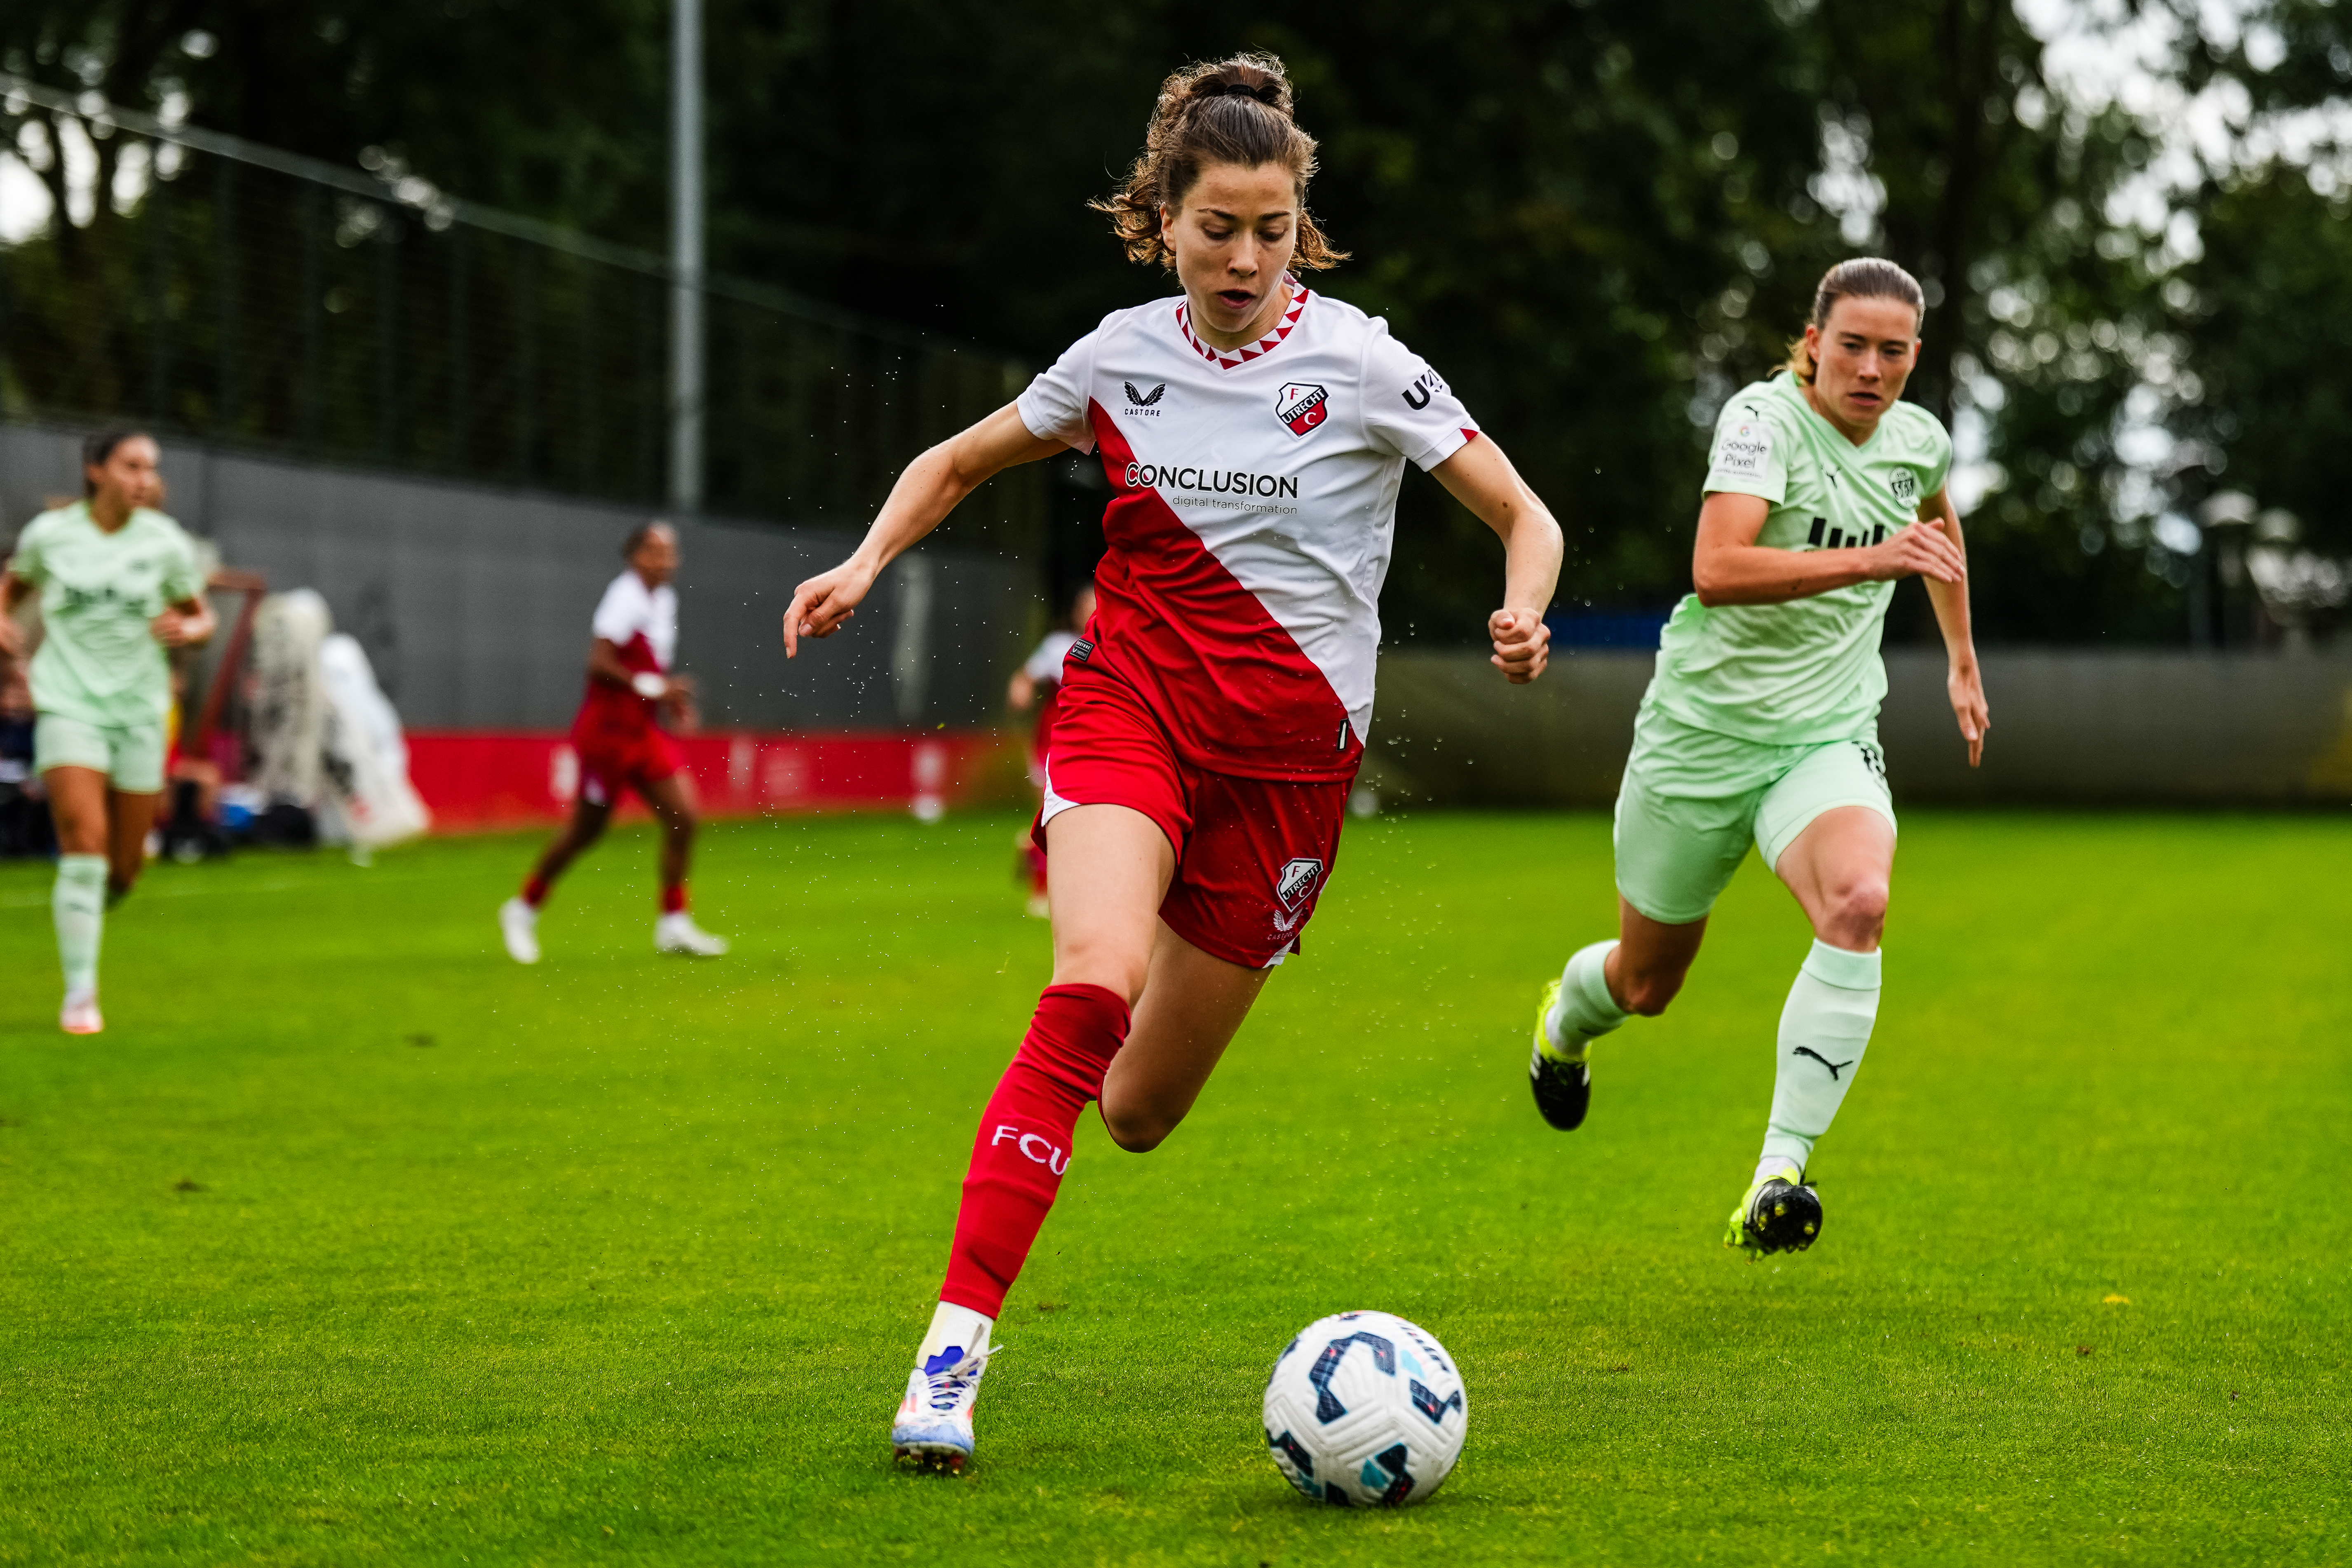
(1562, 1085)
(1780, 1214)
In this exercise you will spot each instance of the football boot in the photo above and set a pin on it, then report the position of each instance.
(80, 1014)
(678, 933)
(1780, 1214)
(934, 1425)
(518, 925)
(1562, 1085)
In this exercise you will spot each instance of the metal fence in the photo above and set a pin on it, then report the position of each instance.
(242, 295)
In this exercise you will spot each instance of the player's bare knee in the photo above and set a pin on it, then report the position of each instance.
(1137, 1130)
(1079, 961)
(1856, 914)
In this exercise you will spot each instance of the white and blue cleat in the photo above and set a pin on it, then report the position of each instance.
(934, 1425)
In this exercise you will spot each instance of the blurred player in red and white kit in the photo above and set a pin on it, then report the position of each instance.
(1038, 684)
(622, 747)
(1254, 434)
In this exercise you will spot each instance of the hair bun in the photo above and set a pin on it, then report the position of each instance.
(1241, 79)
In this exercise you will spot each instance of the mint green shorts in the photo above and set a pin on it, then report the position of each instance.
(130, 755)
(1693, 801)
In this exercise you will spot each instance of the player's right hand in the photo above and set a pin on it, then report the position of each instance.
(820, 604)
(1919, 550)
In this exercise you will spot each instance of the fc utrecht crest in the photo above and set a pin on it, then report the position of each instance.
(1298, 878)
(1301, 407)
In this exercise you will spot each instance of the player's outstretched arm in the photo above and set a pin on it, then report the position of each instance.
(921, 500)
(1728, 567)
(1965, 683)
(1482, 478)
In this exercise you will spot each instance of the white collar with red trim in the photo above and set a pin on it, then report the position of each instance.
(1225, 359)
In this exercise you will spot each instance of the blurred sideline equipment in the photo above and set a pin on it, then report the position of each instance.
(368, 801)
(326, 743)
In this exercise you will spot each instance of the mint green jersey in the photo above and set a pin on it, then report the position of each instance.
(1807, 671)
(99, 661)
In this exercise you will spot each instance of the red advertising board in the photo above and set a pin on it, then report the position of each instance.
(474, 781)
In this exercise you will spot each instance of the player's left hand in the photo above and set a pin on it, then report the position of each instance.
(175, 628)
(1522, 644)
(1966, 684)
(820, 604)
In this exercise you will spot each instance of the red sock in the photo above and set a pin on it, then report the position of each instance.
(673, 897)
(1024, 1140)
(535, 891)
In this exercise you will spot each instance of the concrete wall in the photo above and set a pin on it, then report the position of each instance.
(474, 603)
(2069, 728)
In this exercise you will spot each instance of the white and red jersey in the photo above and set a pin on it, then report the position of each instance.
(642, 623)
(629, 610)
(1253, 509)
(1044, 666)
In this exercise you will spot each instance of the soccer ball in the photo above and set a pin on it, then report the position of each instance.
(1365, 1410)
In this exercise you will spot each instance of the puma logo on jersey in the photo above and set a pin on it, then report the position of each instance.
(1144, 399)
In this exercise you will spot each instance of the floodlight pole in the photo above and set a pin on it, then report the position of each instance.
(686, 231)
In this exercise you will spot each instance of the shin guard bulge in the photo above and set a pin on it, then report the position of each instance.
(1024, 1146)
(1824, 1029)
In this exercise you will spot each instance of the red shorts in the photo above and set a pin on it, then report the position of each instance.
(1252, 854)
(611, 763)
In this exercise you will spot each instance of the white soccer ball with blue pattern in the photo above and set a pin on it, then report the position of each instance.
(1365, 1410)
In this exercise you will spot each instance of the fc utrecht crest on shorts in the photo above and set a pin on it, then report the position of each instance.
(1254, 504)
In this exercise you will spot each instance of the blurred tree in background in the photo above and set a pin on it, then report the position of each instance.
(1598, 217)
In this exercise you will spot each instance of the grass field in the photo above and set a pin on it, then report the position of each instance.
(351, 1242)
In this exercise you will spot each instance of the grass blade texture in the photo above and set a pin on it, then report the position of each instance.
(352, 1242)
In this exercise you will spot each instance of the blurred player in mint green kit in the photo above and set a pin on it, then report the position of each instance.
(1761, 724)
(118, 585)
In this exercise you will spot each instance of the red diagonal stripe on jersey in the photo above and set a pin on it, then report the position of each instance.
(1233, 689)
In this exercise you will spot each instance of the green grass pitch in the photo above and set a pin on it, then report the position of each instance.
(351, 1242)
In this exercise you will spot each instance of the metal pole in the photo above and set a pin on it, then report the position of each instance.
(686, 354)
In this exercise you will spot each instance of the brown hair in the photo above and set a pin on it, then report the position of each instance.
(1235, 111)
(641, 533)
(95, 449)
(1860, 278)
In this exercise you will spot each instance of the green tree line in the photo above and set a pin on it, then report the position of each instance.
(1598, 217)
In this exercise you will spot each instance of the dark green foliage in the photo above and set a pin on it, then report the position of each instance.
(1597, 217)
(2271, 340)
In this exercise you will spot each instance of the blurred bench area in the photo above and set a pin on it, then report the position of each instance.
(2070, 728)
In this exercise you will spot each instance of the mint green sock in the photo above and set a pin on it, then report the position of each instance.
(1585, 1010)
(1824, 1029)
(77, 906)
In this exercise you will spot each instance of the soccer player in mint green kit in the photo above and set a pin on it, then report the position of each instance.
(118, 585)
(1761, 724)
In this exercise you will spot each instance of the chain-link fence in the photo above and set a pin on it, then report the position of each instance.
(235, 294)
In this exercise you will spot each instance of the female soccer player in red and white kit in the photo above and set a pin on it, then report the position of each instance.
(1213, 713)
(621, 747)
